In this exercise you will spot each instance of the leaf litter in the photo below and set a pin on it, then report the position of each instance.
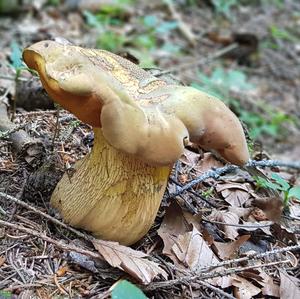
(183, 244)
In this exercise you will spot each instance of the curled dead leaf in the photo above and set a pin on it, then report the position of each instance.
(133, 262)
(271, 206)
(289, 286)
(228, 250)
(229, 219)
(244, 289)
(193, 252)
(236, 194)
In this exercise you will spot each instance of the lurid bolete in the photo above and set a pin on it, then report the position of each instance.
(141, 125)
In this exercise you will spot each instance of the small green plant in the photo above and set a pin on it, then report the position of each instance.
(126, 290)
(208, 193)
(5, 294)
(108, 39)
(224, 6)
(279, 33)
(268, 123)
(264, 121)
(279, 184)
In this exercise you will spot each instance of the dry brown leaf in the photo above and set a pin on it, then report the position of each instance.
(190, 158)
(295, 209)
(271, 206)
(230, 232)
(2, 260)
(234, 193)
(262, 225)
(173, 225)
(244, 289)
(208, 162)
(289, 286)
(193, 252)
(241, 212)
(129, 260)
(283, 233)
(228, 250)
(269, 287)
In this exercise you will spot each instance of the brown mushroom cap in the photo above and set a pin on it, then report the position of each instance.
(138, 113)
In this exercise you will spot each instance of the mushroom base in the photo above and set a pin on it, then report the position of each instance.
(111, 194)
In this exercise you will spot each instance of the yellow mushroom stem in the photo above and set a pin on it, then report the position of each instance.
(112, 194)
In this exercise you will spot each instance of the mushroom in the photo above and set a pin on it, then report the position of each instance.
(141, 125)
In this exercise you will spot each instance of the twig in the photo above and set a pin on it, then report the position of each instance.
(203, 276)
(274, 163)
(192, 192)
(183, 27)
(251, 256)
(37, 211)
(215, 289)
(7, 133)
(240, 225)
(56, 130)
(216, 173)
(59, 244)
(183, 66)
(13, 78)
(61, 289)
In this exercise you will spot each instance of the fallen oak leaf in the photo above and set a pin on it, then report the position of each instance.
(173, 225)
(133, 262)
(228, 250)
(207, 163)
(244, 289)
(289, 286)
(271, 206)
(193, 252)
(234, 193)
(230, 232)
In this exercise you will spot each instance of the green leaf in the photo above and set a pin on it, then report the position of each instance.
(294, 192)
(267, 184)
(124, 289)
(166, 27)
(92, 20)
(150, 21)
(16, 55)
(224, 6)
(5, 294)
(280, 181)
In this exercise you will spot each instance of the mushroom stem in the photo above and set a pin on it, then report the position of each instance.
(111, 194)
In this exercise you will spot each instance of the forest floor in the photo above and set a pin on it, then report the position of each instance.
(229, 235)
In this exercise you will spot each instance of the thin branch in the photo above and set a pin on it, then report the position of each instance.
(187, 65)
(274, 163)
(59, 244)
(37, 211)
(182, 27)
(215, 289)
(216, 173)
(240, 225)
(13, 78)
(251, 256)
(7, 133)
(203, 276)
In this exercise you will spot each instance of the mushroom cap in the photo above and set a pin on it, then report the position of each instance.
(138, 113)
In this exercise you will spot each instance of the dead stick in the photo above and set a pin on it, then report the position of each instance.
(203, 276)
(59, 244)
(183, 27)
(37, 211)
(216, 173)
